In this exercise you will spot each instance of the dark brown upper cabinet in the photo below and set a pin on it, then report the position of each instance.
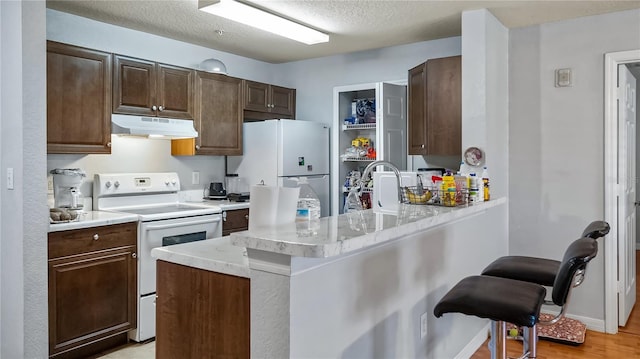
(218, 118)
(264, 101)
(148, 88)
(435, 107)
(78, 99)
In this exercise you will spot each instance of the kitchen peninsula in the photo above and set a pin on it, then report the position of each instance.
(365, 283)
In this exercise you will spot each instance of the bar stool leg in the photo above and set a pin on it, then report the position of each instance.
(498, 342)
(533, 342)
(526, 341)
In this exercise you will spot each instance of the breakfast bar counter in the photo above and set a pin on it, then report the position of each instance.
(347, 233)
(364, 284)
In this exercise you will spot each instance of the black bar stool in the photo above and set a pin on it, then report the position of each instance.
(538, 270)
(504, 300)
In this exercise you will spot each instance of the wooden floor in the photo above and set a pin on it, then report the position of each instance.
(625, 344)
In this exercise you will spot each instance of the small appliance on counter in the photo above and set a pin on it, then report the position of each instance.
(66, 187)
(217, 191)
(237, 188)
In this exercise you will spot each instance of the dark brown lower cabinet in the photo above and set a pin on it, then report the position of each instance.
(92, 289)
(201, 314)
(234, 221)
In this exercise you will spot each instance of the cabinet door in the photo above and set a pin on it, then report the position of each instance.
(218, 117)
(256, 96)
(91, 296)
(175, 92)
(417, 110)
(78, 100)
(201, 314)
(235, 221)
(444, 106)
(134, 82)
(283, 101)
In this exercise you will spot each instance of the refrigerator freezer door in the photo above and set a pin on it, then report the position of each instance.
(319, 184)
(259, 160)
(303, 148)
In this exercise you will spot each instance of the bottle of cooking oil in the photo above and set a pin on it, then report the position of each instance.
(485, 183)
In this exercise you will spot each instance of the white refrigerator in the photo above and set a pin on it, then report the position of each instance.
(278, 152)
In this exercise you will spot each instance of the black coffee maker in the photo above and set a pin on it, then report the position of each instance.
(217, 191)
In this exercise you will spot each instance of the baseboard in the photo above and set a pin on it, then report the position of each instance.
(596, 325)
(474, 344)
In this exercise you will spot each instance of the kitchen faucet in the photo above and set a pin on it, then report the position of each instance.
(370, 167)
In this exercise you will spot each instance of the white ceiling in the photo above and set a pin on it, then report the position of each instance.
(353, 25)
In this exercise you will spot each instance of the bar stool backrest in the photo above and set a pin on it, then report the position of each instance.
(596, 229)
(575, 260)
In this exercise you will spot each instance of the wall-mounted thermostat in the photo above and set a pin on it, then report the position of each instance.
(563, 78)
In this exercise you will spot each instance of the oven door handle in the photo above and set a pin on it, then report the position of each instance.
(183, 224)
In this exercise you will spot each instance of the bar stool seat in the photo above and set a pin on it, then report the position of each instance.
(538, 270)
(529, 269)
(494, 298)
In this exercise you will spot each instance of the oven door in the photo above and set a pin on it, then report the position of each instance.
(168, 232)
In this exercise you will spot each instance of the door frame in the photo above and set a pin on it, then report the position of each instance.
(611, 188)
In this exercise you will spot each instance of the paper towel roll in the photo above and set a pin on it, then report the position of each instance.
(263, 204)
(272, 206)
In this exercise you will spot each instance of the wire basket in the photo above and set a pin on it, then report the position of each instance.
(413, 195)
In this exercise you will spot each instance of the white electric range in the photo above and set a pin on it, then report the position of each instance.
(162, 221)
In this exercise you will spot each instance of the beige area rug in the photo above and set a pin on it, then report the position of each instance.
(565, 331)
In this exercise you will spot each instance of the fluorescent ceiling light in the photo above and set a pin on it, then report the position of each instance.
(262, 20)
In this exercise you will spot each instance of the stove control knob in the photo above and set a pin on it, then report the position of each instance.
(116, 184)
(166, 182)
(173, 181)
(108, 184)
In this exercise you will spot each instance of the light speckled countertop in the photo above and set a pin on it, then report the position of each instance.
(337, 235)
(216, 255)
(225, 205)
(94, 219)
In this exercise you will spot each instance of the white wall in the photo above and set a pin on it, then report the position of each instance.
(556, 138)
(485, 95)
(23, 248)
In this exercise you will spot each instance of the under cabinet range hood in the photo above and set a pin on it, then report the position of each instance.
(152, 127)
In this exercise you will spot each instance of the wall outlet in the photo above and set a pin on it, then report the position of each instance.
(195, 177)
(423, 325)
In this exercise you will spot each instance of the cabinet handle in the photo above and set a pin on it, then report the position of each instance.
(96, 237)
(421, 146)
(197, 147)
(109, 144)
(160, 108)
(134, 255)
(154, 107)
(224, 216)
(246, 216)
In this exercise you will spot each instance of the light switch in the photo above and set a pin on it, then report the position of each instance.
(195, 177)
(563, 78)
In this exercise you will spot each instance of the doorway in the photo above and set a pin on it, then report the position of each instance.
(613, 189)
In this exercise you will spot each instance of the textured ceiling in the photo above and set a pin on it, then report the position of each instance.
(353, 25)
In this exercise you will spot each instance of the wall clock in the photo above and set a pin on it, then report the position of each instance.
(474, 156)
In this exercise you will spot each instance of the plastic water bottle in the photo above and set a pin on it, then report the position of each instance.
(308, 202)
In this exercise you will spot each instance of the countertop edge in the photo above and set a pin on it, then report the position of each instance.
(95, 219)
(341, 247)
(173, 254)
